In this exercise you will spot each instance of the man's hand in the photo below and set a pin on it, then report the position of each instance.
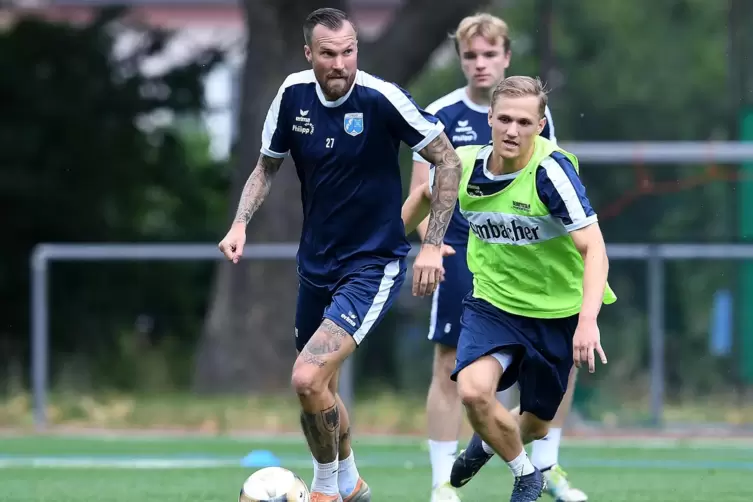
(254, 192)
(233, 243)
(585, 341)
(427, 270)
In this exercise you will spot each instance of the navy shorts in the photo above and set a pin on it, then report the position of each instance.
(447, 301)
(541, 349)
(357, 303)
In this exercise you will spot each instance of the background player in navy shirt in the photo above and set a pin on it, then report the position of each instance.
(343, 128)
(483, 45)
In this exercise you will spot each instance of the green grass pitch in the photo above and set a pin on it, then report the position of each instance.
(127, 469)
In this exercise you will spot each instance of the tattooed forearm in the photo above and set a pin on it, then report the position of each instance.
(322, 431)
(309, 358)
(257, 187)
(444, 194)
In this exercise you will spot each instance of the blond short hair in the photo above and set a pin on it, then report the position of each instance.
(492, 28)
(518, 87)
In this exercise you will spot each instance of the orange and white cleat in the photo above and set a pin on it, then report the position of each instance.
(323, 497)
(361, 493)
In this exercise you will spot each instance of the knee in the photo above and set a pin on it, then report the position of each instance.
(308, 380)
(474, 395)
(444, 364)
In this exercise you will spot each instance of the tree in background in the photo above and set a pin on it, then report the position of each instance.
(81, 161)
(77, 164)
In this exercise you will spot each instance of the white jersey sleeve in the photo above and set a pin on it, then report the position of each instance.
(275, 134)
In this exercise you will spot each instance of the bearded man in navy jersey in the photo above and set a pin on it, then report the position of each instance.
(343, 128)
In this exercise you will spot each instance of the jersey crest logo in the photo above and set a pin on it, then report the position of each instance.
(353, 123)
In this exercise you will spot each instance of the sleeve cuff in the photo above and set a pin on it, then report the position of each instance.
(270, 153)
(430, 136)
(590, 220)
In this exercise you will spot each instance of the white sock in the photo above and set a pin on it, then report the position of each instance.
(521, 465)
(488, 449)
(325, 478)
(442, 456)
(347, 475)
(545, 451)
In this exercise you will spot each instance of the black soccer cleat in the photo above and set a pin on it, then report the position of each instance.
(469, 462)
(528, 488)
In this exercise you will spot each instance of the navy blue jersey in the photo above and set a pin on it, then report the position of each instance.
(557, 184)
(467, 123)
(346, 157)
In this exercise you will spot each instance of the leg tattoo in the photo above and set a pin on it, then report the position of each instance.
(345, 436)
(320, 418)
(322, 431)
(319, 347)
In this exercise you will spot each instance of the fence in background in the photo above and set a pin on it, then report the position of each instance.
(45, 254)
(603, 153)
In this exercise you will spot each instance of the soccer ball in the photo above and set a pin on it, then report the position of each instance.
(274, 484)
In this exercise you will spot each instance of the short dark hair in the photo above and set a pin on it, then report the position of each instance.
(328, 17)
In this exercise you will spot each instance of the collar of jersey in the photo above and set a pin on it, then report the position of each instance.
(483, 154)
(334, 104)
(471, 105)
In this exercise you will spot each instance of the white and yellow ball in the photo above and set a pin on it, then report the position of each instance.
(274, 484)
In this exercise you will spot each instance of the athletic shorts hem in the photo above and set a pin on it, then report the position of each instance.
(351, 330)
(542, 413)
(518, 352)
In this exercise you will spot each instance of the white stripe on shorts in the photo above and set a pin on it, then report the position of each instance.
(434, 312)
(391, 270)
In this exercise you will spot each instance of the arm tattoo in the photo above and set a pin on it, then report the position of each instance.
(444, 194)
(322, 431)
(257, 187)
